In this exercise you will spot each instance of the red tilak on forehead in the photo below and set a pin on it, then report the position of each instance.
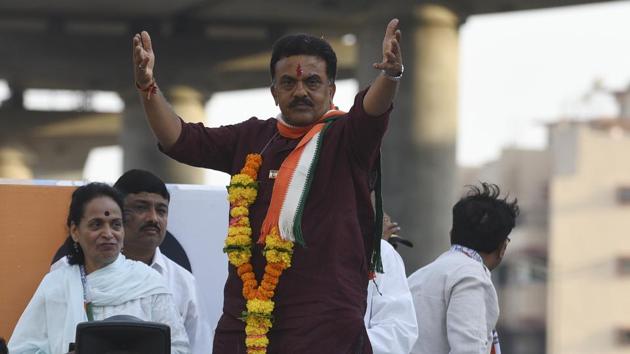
(298, 70)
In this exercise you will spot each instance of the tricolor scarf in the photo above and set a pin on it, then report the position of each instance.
(496, 347)
(294, 178)
(293, 183)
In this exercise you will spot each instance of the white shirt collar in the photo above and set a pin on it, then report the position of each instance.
(158, 263)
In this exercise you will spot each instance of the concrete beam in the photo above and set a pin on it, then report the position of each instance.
(104, 62)
(146, 8)
(24, 122)
(63, 158)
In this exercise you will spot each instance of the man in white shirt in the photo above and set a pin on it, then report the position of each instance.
(455, 300)
(390, 318)
(145, 218)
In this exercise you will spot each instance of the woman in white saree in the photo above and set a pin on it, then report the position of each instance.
(97, 282)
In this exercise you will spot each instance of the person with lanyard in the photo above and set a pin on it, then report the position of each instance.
(303, 238)
(456, 303)
(95, 283)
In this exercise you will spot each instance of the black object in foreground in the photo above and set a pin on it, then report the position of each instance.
(395, 240)
(123, 335)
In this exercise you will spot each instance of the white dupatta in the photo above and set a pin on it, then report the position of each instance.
(48, 323)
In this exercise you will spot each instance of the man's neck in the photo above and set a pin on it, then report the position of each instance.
(489, 260)
(139, 255)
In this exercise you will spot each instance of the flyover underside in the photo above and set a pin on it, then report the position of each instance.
(67, 45)
(104, 62)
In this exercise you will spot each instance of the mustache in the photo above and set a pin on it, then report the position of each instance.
(151, 224)
(299, 101)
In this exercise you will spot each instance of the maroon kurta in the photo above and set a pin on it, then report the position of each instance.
(321, 299)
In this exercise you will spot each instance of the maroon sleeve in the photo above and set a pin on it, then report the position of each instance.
(365, 132)
(200, 146)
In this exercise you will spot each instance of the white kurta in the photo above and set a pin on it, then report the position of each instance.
(456, 306)
(48, 324)
(390, 316)
(183, 286)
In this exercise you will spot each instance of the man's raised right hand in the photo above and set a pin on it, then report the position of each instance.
(143, 59)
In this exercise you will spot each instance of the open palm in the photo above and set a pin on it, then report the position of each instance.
(392, 56)
(143, 59)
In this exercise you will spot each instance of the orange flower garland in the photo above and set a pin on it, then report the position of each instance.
(242, 193)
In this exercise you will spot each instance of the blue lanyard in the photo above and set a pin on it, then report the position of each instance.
(87, 301)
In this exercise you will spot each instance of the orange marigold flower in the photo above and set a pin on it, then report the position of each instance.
(250, 283)
(250, 172)
(252, 164)
(256, 158)
(270, 279)
(249, 293)
(260, 296)
(268, 286)
(256, 350)
(248, 276)
(272, 269)
(244, 268)
(264, 294)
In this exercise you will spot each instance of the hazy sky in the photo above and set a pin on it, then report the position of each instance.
(521, 69)
(517, 71)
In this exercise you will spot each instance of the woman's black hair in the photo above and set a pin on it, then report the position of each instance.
(80, 198)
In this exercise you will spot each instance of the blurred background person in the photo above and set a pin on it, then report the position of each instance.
(390, 316)
(390, 232)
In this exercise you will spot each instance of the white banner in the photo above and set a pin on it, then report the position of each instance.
(198, 218)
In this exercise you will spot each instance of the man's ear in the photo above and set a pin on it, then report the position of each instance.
(274, 94)
(503, 248)
(333, 89)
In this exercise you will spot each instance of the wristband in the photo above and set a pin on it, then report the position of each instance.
(150, 90)
(394, 78)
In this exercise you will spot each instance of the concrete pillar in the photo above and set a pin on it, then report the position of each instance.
(140, 146)
(14, 164)
(419, 167)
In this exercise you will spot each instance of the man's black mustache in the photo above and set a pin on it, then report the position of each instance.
(299, 101)
(150, 224)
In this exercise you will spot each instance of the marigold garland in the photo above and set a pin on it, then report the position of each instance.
(242, 193)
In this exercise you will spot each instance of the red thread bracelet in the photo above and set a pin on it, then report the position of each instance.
(150, 90)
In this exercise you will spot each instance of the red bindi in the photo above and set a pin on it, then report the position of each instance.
(298, 70)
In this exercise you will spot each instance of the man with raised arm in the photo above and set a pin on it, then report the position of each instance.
(303, 236)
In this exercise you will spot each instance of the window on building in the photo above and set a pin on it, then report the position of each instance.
(528, 270)
(623, 335)
(623, 265)
(623, 195)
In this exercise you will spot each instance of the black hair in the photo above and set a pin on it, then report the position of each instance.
(3, 346)
(304, 44)
(80, 198)
(482, 220)
(138, 181)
